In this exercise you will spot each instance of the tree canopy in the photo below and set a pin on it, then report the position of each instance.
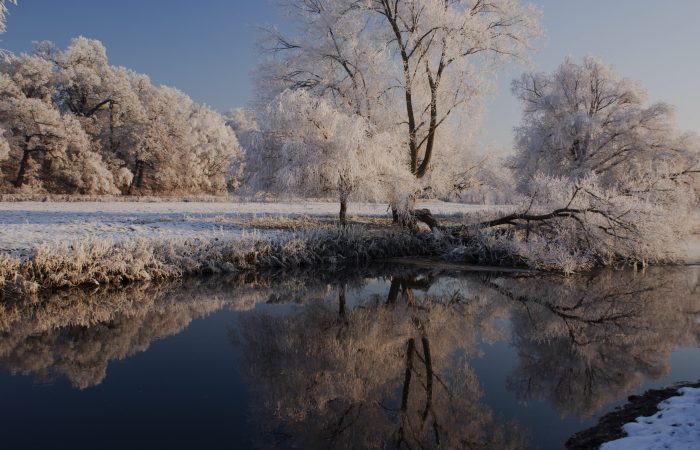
(73, 123)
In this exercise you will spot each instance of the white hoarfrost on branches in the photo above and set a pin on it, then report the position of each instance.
(305, 146)
(127, 136)
(603, 178)
(586, 118)
(416, 69)
(572, 226)
(3, 13)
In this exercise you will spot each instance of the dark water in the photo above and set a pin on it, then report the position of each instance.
(364, 359)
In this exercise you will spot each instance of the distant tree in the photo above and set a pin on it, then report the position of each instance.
(216, 156)
(181, 147)
(586, 118)
(135, 137)
(305, 146)
(47, 151)
(105, 98)
(415, 68)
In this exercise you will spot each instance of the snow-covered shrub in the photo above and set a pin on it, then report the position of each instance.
(573, 225)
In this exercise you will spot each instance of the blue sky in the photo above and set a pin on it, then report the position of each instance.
(206, 48)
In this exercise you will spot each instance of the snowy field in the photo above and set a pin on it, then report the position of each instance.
(26, 224)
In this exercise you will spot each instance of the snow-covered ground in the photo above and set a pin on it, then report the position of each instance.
(676, 426)
(26, 224)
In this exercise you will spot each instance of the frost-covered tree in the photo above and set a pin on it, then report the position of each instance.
(181, 147)
(415, 68)
(48, 151)
(586, 118)
(138, 127)
(603, 177)
(135, 137)
(306, 146)
(105, 98)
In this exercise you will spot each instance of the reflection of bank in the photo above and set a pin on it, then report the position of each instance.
(77, 335)
(367, 360)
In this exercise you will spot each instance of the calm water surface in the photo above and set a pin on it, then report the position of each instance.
(373, 358)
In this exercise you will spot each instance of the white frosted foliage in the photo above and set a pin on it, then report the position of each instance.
(73, 123)
(417, 70)
(304, 146)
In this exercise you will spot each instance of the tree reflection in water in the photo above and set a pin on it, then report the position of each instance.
(361, 361)
(76, 334)
(591, 340)
(392, 371)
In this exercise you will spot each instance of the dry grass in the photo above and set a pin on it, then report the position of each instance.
(102, 263)
(285, 223)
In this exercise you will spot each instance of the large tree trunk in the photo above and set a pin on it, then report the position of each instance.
(425, 216)
(394, 291)
(22, 170)
(137, 181)
(412, 218)
(112, 146)
(394, 214)
(343, 212)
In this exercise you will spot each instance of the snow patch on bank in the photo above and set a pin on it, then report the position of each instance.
(676, 426)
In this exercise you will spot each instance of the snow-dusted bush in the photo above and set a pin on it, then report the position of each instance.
(572, 226)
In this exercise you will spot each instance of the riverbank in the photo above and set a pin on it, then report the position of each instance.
(49, 245)
(639, 423)
(97, 262)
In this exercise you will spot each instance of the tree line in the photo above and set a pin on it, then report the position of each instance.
(74, 124)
